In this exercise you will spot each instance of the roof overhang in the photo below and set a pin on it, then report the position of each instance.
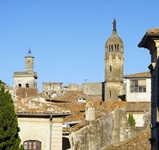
(149, 37)
(40, 115)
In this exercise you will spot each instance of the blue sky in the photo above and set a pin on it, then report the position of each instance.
(67, 38)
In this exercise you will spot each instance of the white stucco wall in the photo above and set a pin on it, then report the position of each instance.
(24, 80)
(140, 96)
(39, 129)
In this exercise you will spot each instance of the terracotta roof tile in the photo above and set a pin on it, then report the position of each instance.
(140, 142)
(138, 75)
(27, 105)
(78, 111)
(137, 106)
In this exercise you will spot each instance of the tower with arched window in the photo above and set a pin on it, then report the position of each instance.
(114, 61)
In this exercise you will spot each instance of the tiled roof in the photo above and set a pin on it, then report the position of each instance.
(78, 112)
(67, 95)
(152, 31)
(150, 34)
(137, 106)
(140, 142)
(27, 106)
(138, 75)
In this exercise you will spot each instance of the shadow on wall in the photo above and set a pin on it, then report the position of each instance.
(103, 90)
(65, 143)
(122, 97)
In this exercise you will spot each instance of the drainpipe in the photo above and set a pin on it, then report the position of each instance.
(50, 131)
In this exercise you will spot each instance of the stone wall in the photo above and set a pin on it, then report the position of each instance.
(92, 88)
(110, 129)
(74, 87)
(94, 136)
(51, 86)
(26, 92)
(99, 133)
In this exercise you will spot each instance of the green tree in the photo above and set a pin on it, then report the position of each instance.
(131, 120)
(9, 137)
(21, 147)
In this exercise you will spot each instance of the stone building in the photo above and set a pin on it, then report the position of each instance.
(114, 61)
(108, 126)
(28, 78)
(138, 87)
(40, 124)
(151, 42)
(52, 86)
(25, 83)
(93, 89)
(138, 96)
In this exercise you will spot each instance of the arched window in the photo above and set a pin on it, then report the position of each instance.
(111, 47)
(117, 48)
(27, 85)
(19, 85)
(32, 145)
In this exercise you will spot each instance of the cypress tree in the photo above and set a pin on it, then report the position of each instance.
(131, 120)
(9, 137)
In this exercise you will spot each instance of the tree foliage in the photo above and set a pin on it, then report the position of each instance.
(9, 137)
(131, 120)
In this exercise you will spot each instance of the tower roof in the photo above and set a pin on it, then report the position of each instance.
(114, 38)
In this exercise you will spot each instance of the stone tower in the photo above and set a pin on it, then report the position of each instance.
(29, 61)
(27, 79)
(114, 60)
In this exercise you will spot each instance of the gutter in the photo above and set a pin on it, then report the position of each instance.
(33, 115)
(50, 131)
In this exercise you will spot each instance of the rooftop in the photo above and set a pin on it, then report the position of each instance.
(30, 106)
(140, 142)
(138, 75)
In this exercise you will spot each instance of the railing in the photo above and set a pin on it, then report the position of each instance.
(137, 89)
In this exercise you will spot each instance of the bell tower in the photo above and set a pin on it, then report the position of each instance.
(29, 61)
(28, 78)
(114, 61)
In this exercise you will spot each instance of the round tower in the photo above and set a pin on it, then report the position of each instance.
(114, 60)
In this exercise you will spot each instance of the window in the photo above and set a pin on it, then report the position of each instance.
(110, 94)
(138, 86)
(116, 47)
(110, 68)
(32, 145)
(27, 85)
(111, 48)
(19, 85)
